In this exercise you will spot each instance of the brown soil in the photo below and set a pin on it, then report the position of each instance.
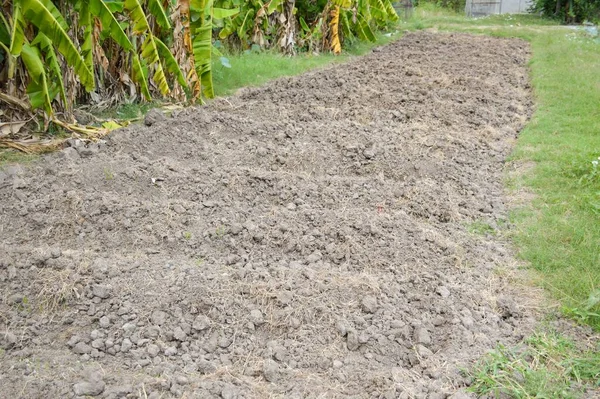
(309, 238)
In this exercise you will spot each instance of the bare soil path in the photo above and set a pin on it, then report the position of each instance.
(304, 239)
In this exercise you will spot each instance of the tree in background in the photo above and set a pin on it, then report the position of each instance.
(570, 11)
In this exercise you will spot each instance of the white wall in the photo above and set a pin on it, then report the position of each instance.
(515, 6)
(479, 8)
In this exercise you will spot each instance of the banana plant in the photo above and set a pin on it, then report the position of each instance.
(254, 23)
(55, 42)
(202, 14)
(47, 19)
(358, 18)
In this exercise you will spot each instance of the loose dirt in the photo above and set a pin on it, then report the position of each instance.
(316, 237)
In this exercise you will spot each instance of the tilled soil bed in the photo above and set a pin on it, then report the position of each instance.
(309, 238)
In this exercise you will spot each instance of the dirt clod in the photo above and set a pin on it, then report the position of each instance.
(153, 116)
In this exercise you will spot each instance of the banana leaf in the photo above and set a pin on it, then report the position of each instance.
(45, 45)
(222, 13)
(37, 90)
(273, 5)
(170, 62)
(87, 46)
(136, 12)
(55, 13)
(17, 36)
(159, 13)
(4, 32)
(37, 14)
(102, 11)
(363, 29)
(150, 54)
(202, 44)
(140, 76)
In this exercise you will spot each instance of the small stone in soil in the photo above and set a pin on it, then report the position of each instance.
(352, 340)
(201, 323)
(422, 336)
(256, 317)
(271, 370)
(89, 388)
(369, 304)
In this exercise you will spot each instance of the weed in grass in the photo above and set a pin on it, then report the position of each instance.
(128, 112)
(220, 232)
(9, 156)
(108, 174)
(585, 313)
(591, 175)
(481, 228)
(548, 365)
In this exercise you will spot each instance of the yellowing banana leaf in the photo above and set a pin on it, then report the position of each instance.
(100, 9)
(170, 62)
(140, 23)
(112, 125)
(37, 14)
(336, 45)
(159, 13)
(150, 54)
(343, 3)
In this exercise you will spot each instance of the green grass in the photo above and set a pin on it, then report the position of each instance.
(546, 365)
(481, 228)
(8, 156)
(559, 234)
(257, 68)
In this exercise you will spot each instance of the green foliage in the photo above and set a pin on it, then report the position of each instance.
(548, 365)
(453, 5)
(267, 24)
(569, 11)
(202, 43)
(44, 19)
(110, 23)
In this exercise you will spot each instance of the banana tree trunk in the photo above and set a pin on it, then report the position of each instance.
(287, 39)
